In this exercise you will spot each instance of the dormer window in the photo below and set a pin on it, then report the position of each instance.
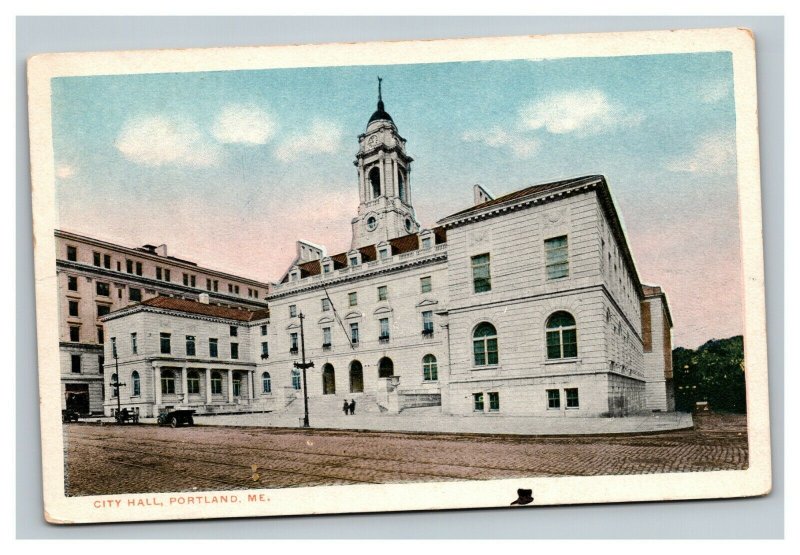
(354, 258)
(383, 253)
(426, 243)
(326, 268)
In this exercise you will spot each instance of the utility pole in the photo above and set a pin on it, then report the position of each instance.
(116, 384)
(303, 365)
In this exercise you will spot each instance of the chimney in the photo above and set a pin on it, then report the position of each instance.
(203, 298)
(480, 195)
(161, 250)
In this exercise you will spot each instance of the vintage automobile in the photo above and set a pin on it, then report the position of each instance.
(69, 415)
(175, 417)
(127, 415)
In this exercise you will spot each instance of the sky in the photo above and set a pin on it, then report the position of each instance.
(229, 168)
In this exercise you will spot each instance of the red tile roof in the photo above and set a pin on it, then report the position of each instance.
(194, 307)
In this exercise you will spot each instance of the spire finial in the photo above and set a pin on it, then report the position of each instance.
(380, 97)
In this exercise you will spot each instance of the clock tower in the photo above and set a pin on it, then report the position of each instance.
(384, 168)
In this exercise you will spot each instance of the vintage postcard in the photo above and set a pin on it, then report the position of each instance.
(502, 272)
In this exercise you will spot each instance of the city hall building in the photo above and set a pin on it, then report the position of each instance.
(525, 304)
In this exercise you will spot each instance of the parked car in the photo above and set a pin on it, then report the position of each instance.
(175, 418)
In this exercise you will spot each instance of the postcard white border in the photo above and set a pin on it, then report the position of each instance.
(756, 480)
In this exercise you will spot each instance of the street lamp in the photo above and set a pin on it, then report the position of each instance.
(303, 365)
(116, 384)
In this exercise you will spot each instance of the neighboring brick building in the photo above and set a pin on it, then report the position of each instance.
(527, 304)
(96, 277)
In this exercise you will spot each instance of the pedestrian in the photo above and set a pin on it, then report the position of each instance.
(353, 406)
(346, 407)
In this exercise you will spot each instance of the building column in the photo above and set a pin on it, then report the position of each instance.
(208, 386)
(230, 385)
(251, 384)
(395, 178)
(156, 383)
(185, 385)
(382, 173)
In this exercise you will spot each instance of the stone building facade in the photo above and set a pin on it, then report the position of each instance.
(526, 304)
(97, 277)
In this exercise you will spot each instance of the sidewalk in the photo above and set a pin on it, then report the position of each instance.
(439, 423)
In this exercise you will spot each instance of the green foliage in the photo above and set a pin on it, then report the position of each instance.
(714, 372)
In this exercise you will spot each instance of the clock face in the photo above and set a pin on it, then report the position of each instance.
(372, 223)
(372, 141)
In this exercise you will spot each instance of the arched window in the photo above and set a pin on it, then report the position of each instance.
(296, 379)
(484, 344)
(136, 385)
(266, 383)
(167, 382)
(216, 383)
(328, 380)
(356, 377)
(401, 185)
(192, 382)
(429, 372)
(237, 384)
(375, 182)
(562, 339)
(114, 390)
(385, 368)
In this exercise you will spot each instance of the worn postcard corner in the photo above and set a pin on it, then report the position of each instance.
(501, 272)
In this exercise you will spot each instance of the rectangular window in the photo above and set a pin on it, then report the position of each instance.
(477, 402)
(190, 352)
(134, 344)
(293, 342)
(383, 253)
(426, 242)
(353, 261)
(553, 399)
(74, 333)
(264, 349)
(354, 333)
(107, 261)
(383, 293)
(572, 398)
(102, 289)
(208, 284)
(72, 283)
(234, 331)
(263, 329)
(326, 305)
(481, 275)
(425, 285)
(138, 268)
(556, 252)
(135, 294)
(166, 346)
(102, 310)
(234, 350)
(326, 268)
(193, 281)
(292, 310)
(119, 293)
(159, 273)
(230, 288)
(352, 299)
(326, 337)
(72, 254)
(129, 266)
(166, 275)
(101, 363)
(427, 322)
(384, 324)
(73, 308)
(494, 402)
(119, 268)
(96, 259)
(193, 383)
(186, 279)
(76, 364)
(212, 348)
(236, 289)
(114, 347)
(100, 335)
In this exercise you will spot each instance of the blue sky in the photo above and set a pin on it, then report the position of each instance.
(229, 168)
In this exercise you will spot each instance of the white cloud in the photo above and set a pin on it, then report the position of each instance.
(160, 140)
(587, 112)
(65, 171)
(713, 154)
(522, 146)
(713, 91)
(238, 123)
(322, 137)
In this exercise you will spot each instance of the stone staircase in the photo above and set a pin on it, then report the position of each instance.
(332, 404)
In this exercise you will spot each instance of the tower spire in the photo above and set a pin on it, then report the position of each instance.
(380, 97)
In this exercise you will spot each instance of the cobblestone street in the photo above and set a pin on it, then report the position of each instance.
(112, 459)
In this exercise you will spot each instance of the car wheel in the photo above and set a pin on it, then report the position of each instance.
(173, 422)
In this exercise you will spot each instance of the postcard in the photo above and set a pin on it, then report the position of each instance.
(497, 272)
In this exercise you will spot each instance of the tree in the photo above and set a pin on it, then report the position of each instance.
(714, 373)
